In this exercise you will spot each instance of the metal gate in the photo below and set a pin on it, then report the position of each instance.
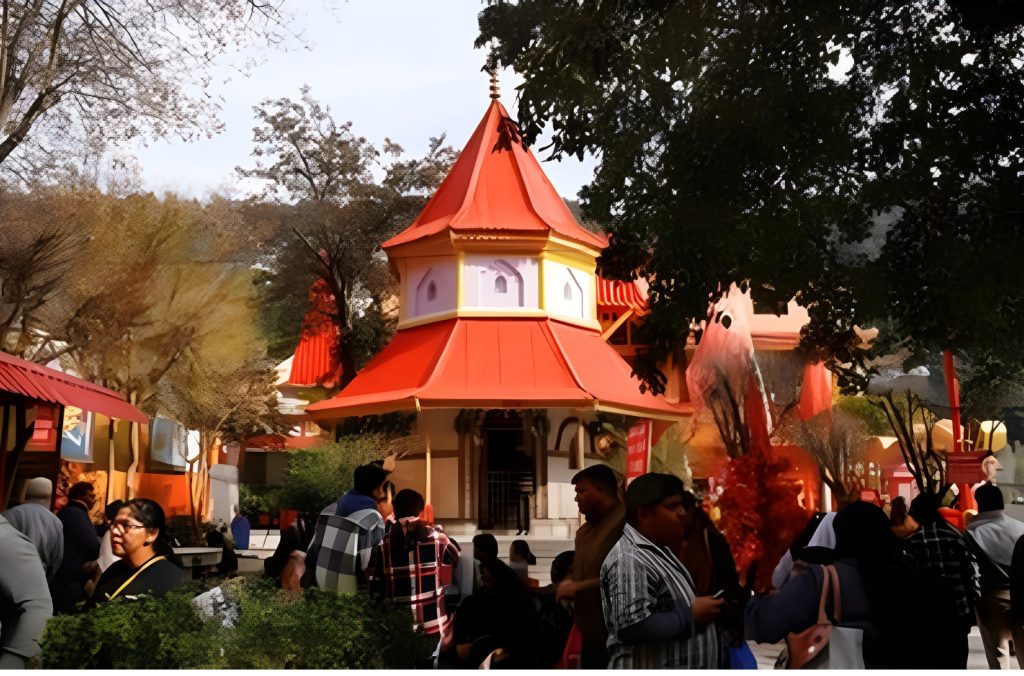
(507, 492)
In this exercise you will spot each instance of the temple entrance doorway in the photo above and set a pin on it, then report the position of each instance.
(506, 473)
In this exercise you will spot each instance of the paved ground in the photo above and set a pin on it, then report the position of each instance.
(767, 653)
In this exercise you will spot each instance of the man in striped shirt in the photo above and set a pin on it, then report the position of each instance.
(654, 618)
(413, 563)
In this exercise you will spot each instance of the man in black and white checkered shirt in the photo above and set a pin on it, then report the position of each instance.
(346, 533)
(939, 548)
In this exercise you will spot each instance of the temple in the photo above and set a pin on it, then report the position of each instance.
(499, 345)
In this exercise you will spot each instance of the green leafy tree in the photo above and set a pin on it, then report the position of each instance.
(317, 477)
(864, 159)
(152, 298)
(340, 212)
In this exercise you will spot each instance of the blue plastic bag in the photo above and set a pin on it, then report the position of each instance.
(741, 657)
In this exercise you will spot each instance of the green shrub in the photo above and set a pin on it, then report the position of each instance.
(275, 630)
(320, 630)
(149, 633)
(317, 477)
(250, 501)
(872, 416)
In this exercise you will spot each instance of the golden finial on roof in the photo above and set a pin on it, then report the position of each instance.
(495, 90)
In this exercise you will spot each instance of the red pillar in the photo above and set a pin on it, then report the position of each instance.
(953, 390)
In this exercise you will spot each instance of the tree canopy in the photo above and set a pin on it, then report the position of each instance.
(863, 158)
(344, 196)
(80, 74)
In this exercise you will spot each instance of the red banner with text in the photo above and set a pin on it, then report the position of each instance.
(638, 450)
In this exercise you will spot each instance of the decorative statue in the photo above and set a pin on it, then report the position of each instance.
(990, 467)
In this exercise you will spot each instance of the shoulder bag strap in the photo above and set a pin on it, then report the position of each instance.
(981, 555)
(127, 582)
(822, 615)
(837, 596)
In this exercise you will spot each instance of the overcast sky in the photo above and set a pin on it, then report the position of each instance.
(405, 69)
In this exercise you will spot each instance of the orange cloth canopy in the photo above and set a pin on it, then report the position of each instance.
(496, 363)
(496, 185)
(46, 384)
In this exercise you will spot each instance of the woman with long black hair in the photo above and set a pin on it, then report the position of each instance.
(140, 539)
(902, 610)
(863, 555)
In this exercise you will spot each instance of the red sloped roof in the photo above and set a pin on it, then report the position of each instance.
(316, 357)
(621, 296)
(496, 184)
(39, 382)
(495, 363)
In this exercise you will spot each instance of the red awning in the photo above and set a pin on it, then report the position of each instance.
(621, 296)
(495, 363)
(46, 384)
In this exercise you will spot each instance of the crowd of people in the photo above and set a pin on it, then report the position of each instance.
(911, 583)
(52, 564)
(650, 582)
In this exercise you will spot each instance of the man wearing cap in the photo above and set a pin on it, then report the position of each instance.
(34, 519)
(996, 534)
(654, 618)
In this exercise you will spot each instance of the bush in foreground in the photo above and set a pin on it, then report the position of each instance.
(275, 630)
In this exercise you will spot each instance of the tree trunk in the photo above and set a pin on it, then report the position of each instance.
(347, 360)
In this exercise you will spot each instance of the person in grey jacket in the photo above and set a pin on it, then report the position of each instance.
(39, 524)
(24, 598)
(996, 533)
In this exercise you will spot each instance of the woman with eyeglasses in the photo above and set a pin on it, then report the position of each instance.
(139, 537)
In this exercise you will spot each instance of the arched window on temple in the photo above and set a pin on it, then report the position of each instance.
(500, 285)
(567, 291)
(431, 291)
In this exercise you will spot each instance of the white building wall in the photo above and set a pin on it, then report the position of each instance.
(430, 286)
(444, 497)
(570, 292)
(440, 425)
(521, 278)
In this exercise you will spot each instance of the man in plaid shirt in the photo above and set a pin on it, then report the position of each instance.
(413, 564)
(346, 533)
(938, 548)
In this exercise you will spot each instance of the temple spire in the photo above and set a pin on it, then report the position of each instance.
(495, 90)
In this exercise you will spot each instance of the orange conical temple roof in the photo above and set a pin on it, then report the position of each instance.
(497, 185)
